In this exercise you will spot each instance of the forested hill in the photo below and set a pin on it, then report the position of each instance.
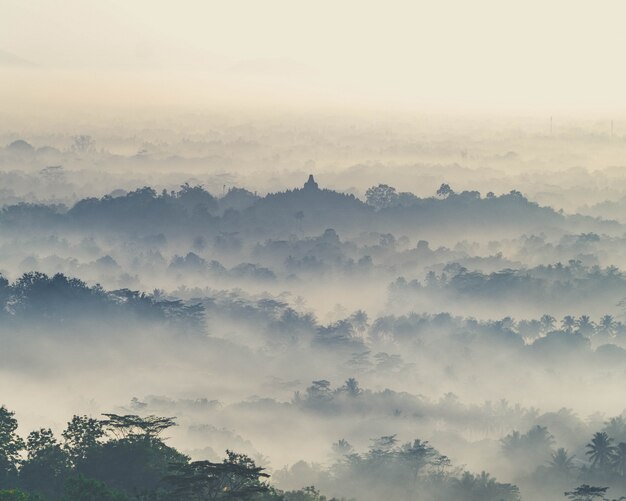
(305, 210)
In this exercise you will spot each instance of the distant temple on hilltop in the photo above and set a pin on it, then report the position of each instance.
(311, 184)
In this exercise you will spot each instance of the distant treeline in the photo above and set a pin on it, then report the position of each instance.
(309, 208)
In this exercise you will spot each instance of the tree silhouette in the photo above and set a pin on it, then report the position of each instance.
(547, 322)
(381, 196)
(618, 460)
(608, 325)
(561, 462)
(600, 450)
(237, 477)
(568, 323)
(81, 436)
(444, 191)
(10, 446)
(586, 492)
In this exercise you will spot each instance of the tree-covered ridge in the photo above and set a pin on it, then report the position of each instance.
(562, 286)
(309, 208)
(58, 299)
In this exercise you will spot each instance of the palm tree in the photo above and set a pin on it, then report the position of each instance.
(561, 462)
(600, 450)
(608, 324)
(351, 387)
(547, 322)
(568, 323)
(585, 325)
(619, 459)
(342, 448)
(360, 321)
(616, 428)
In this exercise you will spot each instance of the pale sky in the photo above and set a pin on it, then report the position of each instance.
(468, 53)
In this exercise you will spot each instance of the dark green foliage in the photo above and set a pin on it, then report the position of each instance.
(237, 477)
(586, 493)
(59, 300)
(84, 489)
(81, 437)
(46, 466)
(10, 446)
(17, 495)
(135, 464)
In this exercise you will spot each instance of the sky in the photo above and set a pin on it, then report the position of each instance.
(477, 55)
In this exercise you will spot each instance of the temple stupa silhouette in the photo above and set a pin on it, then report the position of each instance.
(311, 184)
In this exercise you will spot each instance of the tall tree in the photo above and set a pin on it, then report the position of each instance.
(10, 447)
(600, 450)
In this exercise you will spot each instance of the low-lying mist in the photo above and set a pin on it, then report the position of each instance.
(377, 315)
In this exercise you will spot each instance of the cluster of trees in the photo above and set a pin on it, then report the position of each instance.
(58, 299)
(607, 327)
(393, 470)
(143, 207)
(122, 458)
(384, 196)
(563, 287)
(310, 208)
(603, 461)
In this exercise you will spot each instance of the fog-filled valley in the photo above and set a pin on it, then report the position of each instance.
(312, 251)
(417, 316)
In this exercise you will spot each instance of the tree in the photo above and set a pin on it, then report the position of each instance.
(533, 447)
(83, 144)
(309, 493)
(129, 425)
(136, 459)
(196, 200)
(547, 322)
(381, 196)
(619, 459)
(586, 493)
(483, 487)
(10, 446)
(561, 462)
(416, 455)
(319, 392)
(359, 320)
(444, 191)
(236, 477)
(82, 436)
(585, 325)
(351, 387)
(84, 489)
(342, 448)
(46, 466)
(568, 323)
(137, 463)
(383, 445)
(608, 325)
(600, 450)
(18, 495)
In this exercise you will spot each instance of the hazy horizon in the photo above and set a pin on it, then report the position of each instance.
(312, 251)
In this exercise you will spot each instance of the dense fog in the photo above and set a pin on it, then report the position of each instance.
(334, 251)
(371, 313)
